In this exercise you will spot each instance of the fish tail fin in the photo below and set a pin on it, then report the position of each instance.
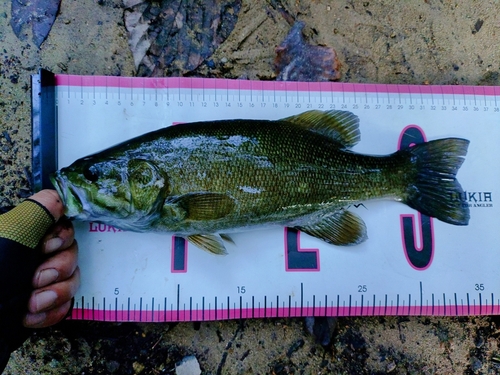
(435, 191)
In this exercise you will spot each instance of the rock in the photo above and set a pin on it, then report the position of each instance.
(188, 366)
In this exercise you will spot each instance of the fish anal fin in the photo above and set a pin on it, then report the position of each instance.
(341, 126)
(340, 228)
(206, 206)
(208, 242)
(227, 238)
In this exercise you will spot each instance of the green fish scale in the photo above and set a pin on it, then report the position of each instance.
(274, 171)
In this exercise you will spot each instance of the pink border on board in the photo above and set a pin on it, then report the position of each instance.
(232, 84)
(282, 312)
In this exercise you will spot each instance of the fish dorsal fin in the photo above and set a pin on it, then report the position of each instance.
(340, 227)
(208, 242)
(205, 205)
(342, 126)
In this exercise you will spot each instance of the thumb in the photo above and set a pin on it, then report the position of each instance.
(51, 201)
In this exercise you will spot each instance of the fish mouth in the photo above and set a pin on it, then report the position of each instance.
(71, 199)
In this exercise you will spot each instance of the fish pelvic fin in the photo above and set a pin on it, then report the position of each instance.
(341, 227)
(208, 242)
(435, 191)
(341, 126)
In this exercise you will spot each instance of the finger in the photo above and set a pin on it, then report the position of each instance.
(51, 201)
(48, 318)
(60, 237)
(59, 267)
(54, 295)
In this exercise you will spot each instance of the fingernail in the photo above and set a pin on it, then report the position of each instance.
(46, 277)
(53, 244)
(45, 299)
(33, 320)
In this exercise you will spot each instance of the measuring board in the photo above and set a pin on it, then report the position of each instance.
(410, 265)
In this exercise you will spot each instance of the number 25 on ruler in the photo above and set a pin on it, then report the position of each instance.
(307, 260)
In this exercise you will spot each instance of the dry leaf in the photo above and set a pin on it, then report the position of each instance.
(297, 60)
(174, 37)
(40, 14)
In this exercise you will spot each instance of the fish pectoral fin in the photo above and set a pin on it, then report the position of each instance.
(338, 228)
(208, 242)
(341, 126)
(206, 206)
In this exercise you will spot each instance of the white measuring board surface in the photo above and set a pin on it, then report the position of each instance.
(410, 264)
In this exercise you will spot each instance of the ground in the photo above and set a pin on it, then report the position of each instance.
(383, 41)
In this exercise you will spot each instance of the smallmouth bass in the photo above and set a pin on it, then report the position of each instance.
(203, 180)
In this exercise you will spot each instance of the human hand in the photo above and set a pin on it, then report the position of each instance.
(22, 269)
(56, 280)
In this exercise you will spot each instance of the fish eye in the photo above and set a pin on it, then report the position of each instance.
(91, 173)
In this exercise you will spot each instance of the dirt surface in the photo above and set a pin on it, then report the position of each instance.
(414, 42)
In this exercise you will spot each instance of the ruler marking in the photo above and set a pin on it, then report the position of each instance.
(202, 308)
(421, 298)
(444, 303)
(326, 304)
(480, 304)
(93, 308)
(361, 311)
(397, 304)
(265, 306)
(152, 309)
(216, 308)
(140, 309)
(492, 303)
(301, 298)
(385, 307)
(191, 308)
(374, 303)
(241, 307)
(350, 302)
(277, 306)
(178, 299)
(116, 309)
(338, 305)
(409, 304)
(228, 308)
(165, 309)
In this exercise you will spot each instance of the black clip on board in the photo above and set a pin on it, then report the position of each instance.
(44, 129)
